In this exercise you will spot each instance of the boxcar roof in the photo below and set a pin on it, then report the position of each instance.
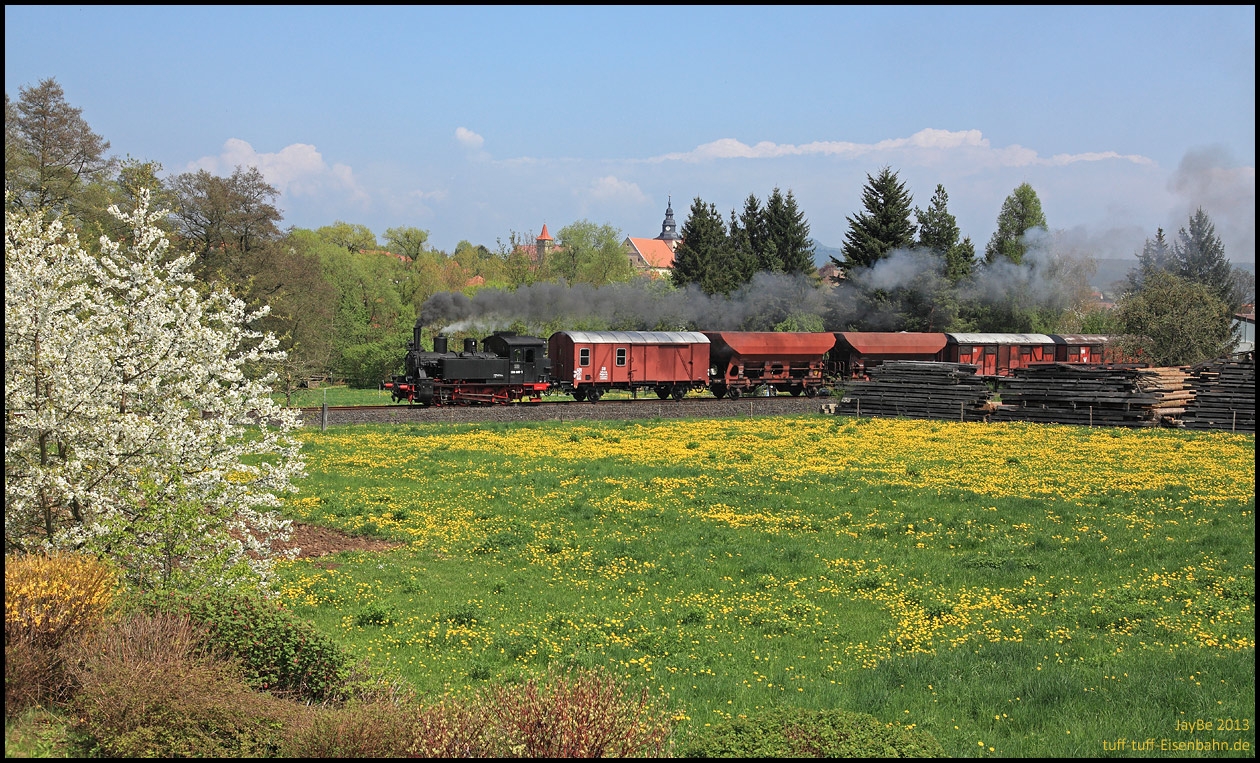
(1081, 339)
(1000, 338)
(635, 337)
(889, 342)
(775, 343)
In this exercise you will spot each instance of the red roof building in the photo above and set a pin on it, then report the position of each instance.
(655, 256)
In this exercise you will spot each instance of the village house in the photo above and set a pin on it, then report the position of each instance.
(655, 256)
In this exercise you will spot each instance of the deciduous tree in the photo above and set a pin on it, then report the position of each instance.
(1021, 212)
(135, 424)
(1173, 321)
(50, 152)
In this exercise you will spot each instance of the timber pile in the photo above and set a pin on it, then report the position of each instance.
(1101, 395)
(918, 389)
(1224, 395)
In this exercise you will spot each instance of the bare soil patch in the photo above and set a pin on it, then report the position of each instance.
(315, 542)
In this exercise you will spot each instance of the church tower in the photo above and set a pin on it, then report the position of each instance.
(669, 230)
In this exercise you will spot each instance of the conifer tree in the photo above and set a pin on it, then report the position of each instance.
(1199, 257)
(789, 231)
(884, 225)
(938, 233)
(753, 220)
(703, 249)
(1156, 255)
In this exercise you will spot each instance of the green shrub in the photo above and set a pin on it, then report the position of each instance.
(278, 652)
(148, 688)
(799, 733)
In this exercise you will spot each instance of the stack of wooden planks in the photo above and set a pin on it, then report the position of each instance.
(1224, 395)
(919, 390)
(1102, 395)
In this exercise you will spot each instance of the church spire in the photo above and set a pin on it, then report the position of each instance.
(669, 230)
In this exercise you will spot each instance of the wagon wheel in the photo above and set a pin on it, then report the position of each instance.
(794, 390)
(679, 392)
(733, 393)
(662, 391)
(594, 395)
(811, 392)
(718, 389)
(579, 395)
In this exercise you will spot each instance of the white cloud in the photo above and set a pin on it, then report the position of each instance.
(469, 139)
(295, 170)
(611, 189)
(926, 146)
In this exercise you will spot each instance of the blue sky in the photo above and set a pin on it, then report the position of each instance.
(474, 122)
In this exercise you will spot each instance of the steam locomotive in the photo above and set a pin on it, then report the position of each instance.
(512, 368)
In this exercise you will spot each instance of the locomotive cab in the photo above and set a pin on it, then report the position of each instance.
(508, 368)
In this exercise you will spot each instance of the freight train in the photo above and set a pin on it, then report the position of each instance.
(513, 368)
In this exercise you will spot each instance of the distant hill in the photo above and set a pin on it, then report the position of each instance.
(823, 254)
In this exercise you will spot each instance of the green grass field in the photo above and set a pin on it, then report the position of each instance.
(1014, 589)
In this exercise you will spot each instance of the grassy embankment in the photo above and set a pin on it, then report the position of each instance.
(1013, 589)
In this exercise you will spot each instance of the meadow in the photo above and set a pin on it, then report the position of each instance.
(1015, 589)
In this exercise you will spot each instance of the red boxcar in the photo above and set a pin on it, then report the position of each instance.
(587, 364)
(856, 351)
(998, 354)
(742, 360)
(1086, 348)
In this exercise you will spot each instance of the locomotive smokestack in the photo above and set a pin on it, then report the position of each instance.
(439, 343)
(416, 334)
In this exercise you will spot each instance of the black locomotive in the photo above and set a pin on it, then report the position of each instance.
(509, 368)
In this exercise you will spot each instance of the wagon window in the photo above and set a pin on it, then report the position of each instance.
(964, 349)
(516, 354)
(529, 355)
(621, 356)
(1025, 351)
(584, 356)
(1047, 349)
(990, 350)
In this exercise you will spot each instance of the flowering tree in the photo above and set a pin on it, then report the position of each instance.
(133, 427)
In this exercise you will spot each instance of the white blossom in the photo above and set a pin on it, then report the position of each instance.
(133, 424)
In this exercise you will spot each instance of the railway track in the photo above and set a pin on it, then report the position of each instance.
(560, 410)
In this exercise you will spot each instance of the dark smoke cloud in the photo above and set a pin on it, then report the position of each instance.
(1209, 178)
(758, 306)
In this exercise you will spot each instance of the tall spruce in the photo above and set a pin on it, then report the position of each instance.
(700, 257)
(753, 220)
(1021, 212)
(1199, 257)
(883, 227)
(1156, 256)
(789, 232)
(743, 257)
(938, 233)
